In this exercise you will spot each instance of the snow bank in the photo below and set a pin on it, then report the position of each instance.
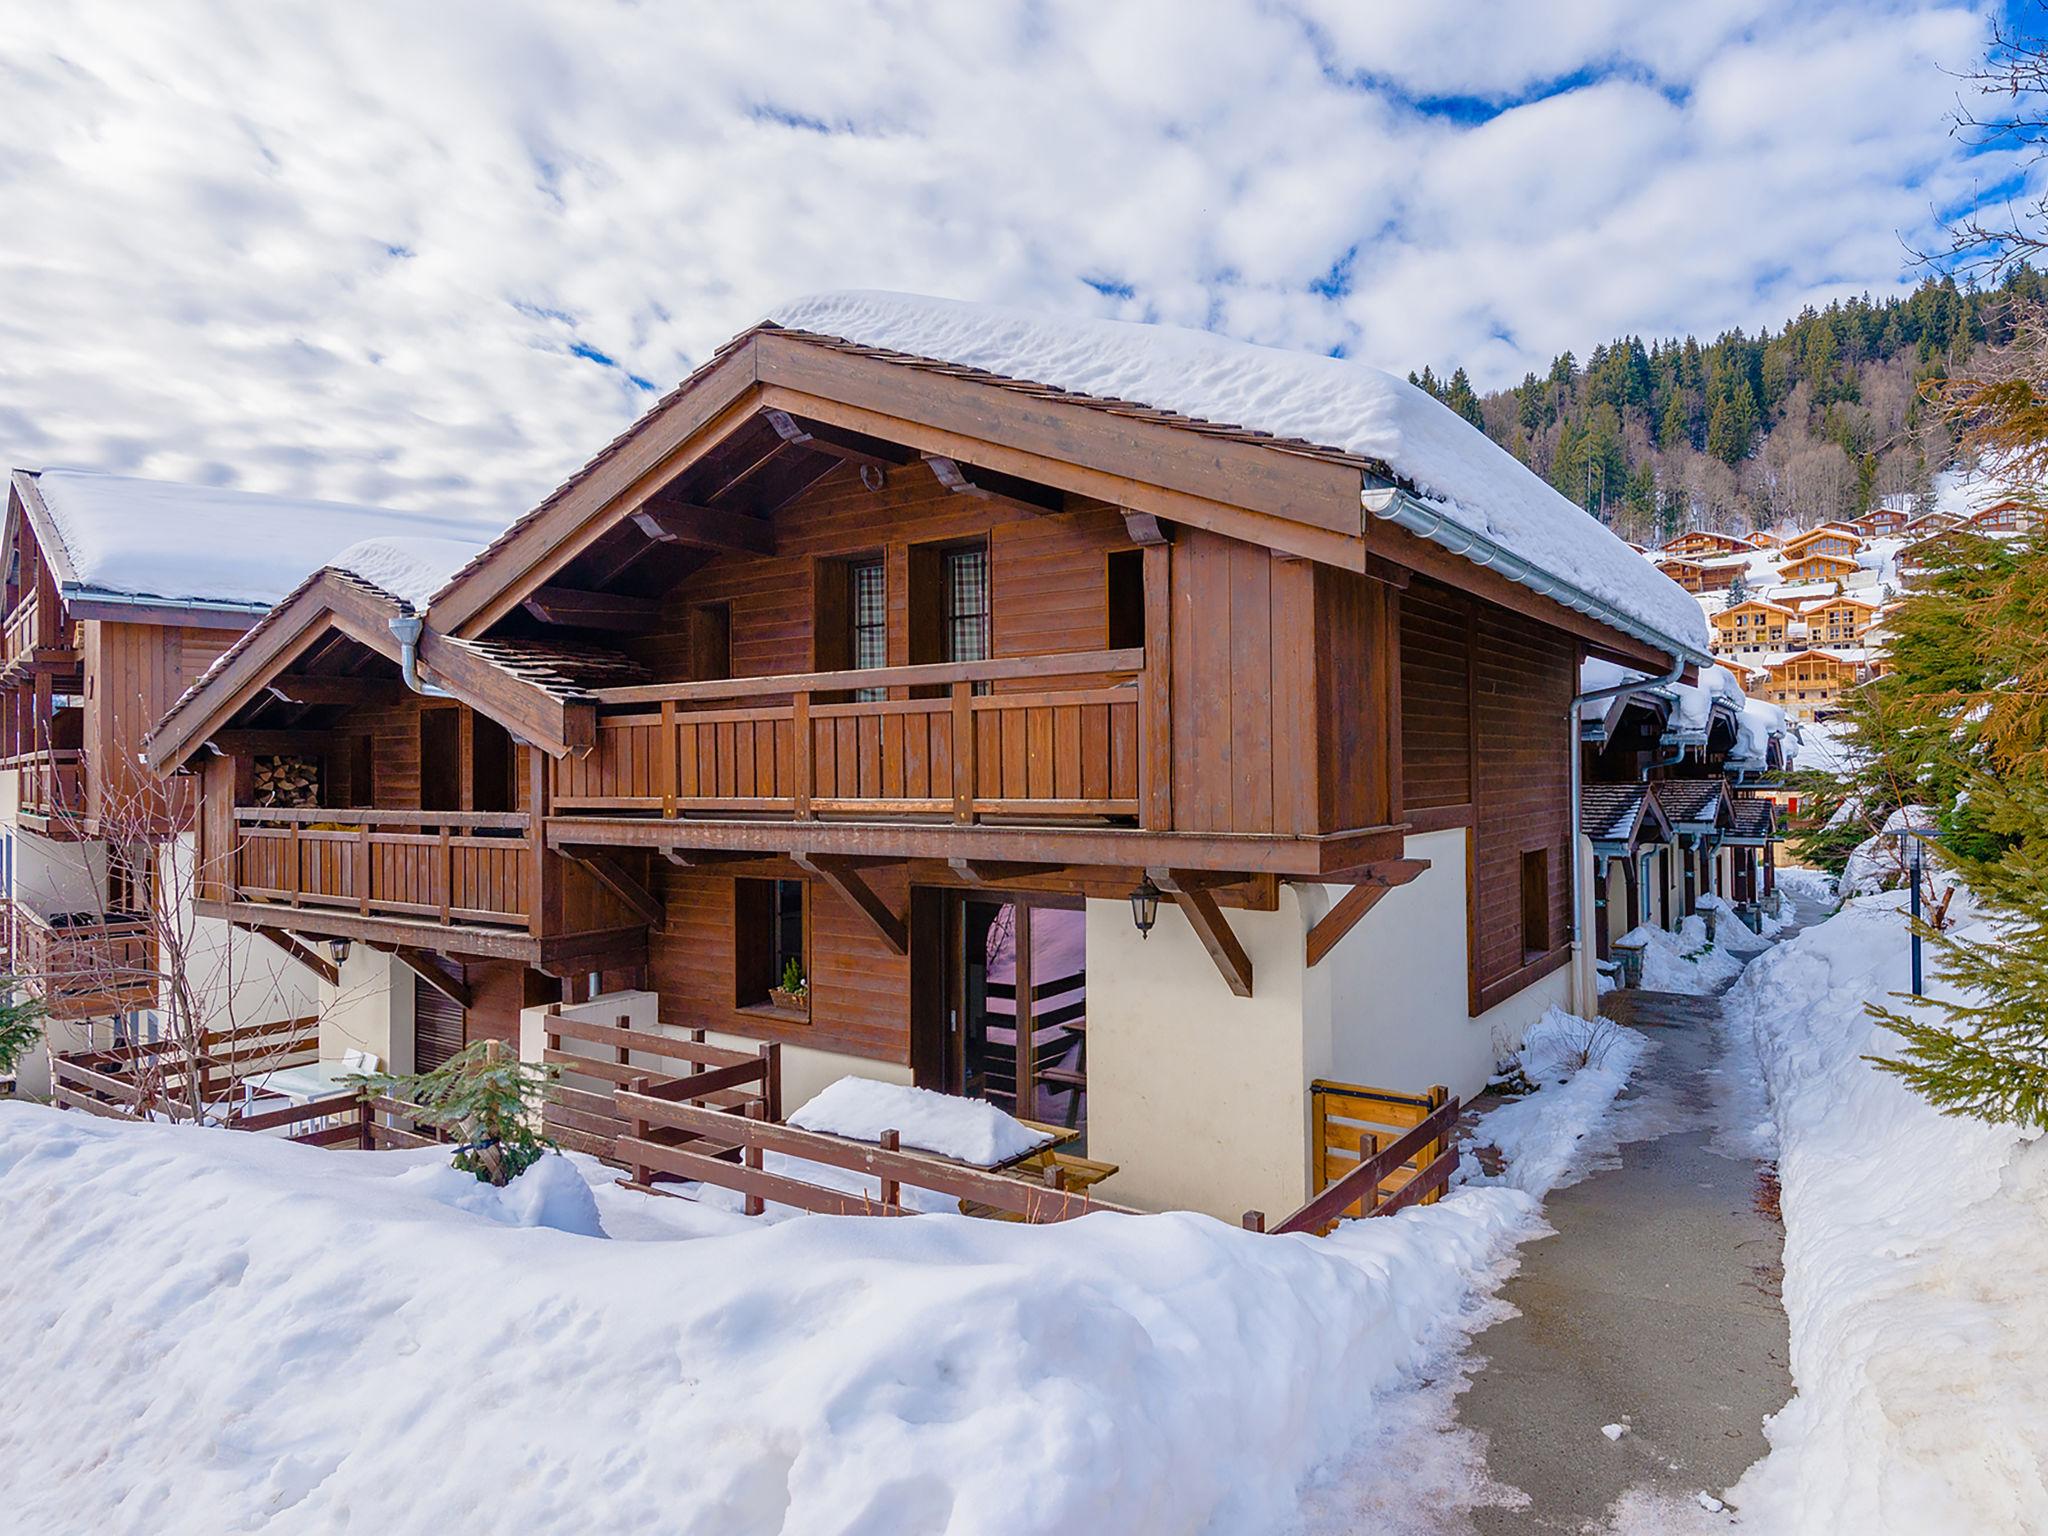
(1916, 1264)
(1878, 863)
(970, 1130)
(210, 1331)
(1579, 1066)
(1684, 961)
(1328, 401)
(157, 539)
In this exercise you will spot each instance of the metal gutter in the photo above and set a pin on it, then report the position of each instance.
(70, 590)
(1394, 505)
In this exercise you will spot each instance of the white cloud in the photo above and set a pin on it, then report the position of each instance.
(354, 250)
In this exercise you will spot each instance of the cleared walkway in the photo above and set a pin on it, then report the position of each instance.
(1656, 1306)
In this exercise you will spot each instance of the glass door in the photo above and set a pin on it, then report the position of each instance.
(1022, 989)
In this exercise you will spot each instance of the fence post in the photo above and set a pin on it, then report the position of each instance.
(752, 1156)
(366, 1139)
(644, 1177)
(1255, 1221)
(892, 1191)
(771, 1078)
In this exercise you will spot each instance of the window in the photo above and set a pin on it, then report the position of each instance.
(768, 934)
(868, 614)
(1124, 580)
(1535, 902)
(967, 604)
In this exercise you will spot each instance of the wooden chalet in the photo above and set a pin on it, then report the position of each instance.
(1699, 543)
(1809, 684)
(1750, 627)
(1839, 620)
(1879, 522)
(1630, 836)
(866, 702)
(2007, 515)
(1837, 539)
(1817, 567)
(1687, 572)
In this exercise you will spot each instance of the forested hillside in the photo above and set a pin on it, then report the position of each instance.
(1744, 431)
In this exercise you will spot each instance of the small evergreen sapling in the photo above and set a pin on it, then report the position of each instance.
(21, 1025)
(488, 1097)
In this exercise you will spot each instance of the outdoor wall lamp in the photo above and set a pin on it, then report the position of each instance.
(1145, 906)
(337, 950)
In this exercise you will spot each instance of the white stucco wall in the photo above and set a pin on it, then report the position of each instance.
(369, 1010)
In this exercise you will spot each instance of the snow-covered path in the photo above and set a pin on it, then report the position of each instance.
(1655, 1308)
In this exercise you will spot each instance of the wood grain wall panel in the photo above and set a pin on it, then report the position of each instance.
(860, 988)
(1525, 674)
(1436, 765)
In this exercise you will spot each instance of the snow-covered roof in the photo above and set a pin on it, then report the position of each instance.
(411, 568)
(1325, 402)
(127, 539)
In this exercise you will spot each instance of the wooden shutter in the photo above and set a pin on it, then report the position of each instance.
(436, 1027)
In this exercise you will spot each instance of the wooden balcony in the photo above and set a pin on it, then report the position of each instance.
(1060, 743)
(448, 867)
(51, 789)
(458, 882)
(33, 631)
(85, 969)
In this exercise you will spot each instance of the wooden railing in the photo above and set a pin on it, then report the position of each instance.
(157, 1074)
(52, 783)
(84, 970)
(1412, 1167)
(28, 628)
(583, 1118)
(470, 867)
(1057, 737)
(668, 1135)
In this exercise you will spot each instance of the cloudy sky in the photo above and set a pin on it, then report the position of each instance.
(435, 255)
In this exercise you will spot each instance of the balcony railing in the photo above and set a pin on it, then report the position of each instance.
(1059, 741)
(30, 626)
(52, 784)
(86, 967)
(469, 867)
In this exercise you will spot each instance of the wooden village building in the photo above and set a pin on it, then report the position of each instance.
(120, 593)
(1122, 761)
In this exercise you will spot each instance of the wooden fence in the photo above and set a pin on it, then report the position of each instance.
(156, 1075)
(585, 1119)
(1367, 1166)
(668, 1136)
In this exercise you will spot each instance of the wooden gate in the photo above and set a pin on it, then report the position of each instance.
(1351, 1123)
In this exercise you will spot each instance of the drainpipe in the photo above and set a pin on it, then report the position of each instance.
(407, 632)
(1571, 725)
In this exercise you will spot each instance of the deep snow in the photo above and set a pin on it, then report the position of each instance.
(1916, 1259)
(211, 1331)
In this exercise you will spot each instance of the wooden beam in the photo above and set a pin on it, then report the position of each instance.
(962, 480)
(236, 743)
(706, 858)
(326, 970)
(675, 522)
(594, 610)
(1146, 527)
(302, 689)
(849, 446)
(606, 869)
(439, 973)
(1359, 900)
(998, 871)
(844, 876)
(1190, 893)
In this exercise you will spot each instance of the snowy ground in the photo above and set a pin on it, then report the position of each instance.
(210, 1331)
(1684, 961)
(1916, 1261)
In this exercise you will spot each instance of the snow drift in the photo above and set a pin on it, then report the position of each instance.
(1916, 1262)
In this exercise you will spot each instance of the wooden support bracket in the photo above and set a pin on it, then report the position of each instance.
(671, 522)
(1359, 900)
(437, 972)
(844, 876)
(1190, 891)
(998, 871)
(605, 868)
(594, 610)
(326, 970)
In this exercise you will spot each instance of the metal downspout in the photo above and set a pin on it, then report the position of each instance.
(407, 632)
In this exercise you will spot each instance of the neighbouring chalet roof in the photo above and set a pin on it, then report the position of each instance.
(119, 540)
(1618, 814)
(1753, 818)
(1300, 401)
(1692, 802)
(564, 669)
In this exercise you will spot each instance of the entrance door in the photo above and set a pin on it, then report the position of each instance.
(1018, 993)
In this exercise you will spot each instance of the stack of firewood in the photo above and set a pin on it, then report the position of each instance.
(287, 781)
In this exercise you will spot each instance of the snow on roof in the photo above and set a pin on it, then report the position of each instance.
(1696, 703)
(1328, 402)
(125, 537)
(1758, 723)
(411, 568)
(1798, 589)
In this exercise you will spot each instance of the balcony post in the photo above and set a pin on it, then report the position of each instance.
(445, 880)
(363, 869)
(1155, 694)
(298, 877)
(963, 752)
(665, 764)
(800, 753)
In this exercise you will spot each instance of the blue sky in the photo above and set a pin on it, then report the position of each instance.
(436, 256)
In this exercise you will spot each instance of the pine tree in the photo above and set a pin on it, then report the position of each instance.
(491, 1099)
(21, 1024)
(1459, 397)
